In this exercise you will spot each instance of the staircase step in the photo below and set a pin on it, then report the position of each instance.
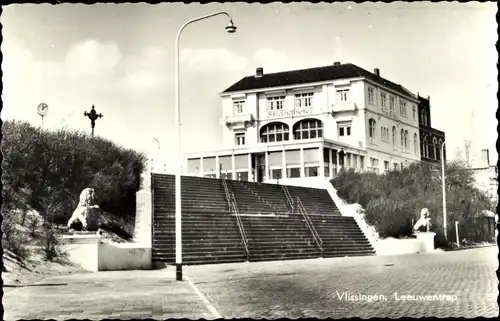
(278, 257)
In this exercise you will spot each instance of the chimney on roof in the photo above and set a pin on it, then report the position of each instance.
(259, 72)
(337, 63)
(376, 71)
(485, 157)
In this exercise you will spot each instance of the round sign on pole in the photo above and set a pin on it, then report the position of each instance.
(42, 108)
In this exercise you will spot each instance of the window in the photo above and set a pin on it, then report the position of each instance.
(394, 136)
(392, 104)
(274, 132)
(415, 145)
(242, 176)
(327, 171)
(311, 171)
(425, 148)
(373, 164)
(303, 100)
(384, 133)
(371, 95)
(430, 151)
(440, 144)
(275, 103)
(344, 129)
(361, 162)
(371, 124)
(402, 136)
(293, 172)
(307, 129)
(383, 101)
(414, 112)
(402, 108)
(342, 95)
(354, 160)
(407, 145)
(240, 138)
(396, 166)
(424, 117)
(435, 146)
(386, 165)
(275, 174)
(238, 106)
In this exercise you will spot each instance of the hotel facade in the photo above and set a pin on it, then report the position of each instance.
(312, 123)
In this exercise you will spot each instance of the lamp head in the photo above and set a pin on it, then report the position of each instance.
(231, 27)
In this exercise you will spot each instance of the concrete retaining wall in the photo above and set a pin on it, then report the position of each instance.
(94, 254)
(391, 246)
(123, 256)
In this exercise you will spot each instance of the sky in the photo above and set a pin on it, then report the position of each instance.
(120, 58)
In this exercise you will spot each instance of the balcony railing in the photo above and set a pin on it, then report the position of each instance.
(344, 106)
(235, 120)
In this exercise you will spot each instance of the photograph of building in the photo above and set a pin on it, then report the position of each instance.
(260, 161)
(312, 123)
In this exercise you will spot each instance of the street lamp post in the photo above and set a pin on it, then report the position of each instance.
(444, 191)
(178, 232)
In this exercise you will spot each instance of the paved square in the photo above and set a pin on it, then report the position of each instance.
(319, 288)
(95, 296)
(306, 288)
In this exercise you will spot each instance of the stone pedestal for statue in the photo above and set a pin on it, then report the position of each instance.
(427, 240)
(143, 213)
(86, 248)
(83, 249)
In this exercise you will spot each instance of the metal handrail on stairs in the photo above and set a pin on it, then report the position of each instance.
(310, 225)
(288, 197)
(233, 207)
(240, 227)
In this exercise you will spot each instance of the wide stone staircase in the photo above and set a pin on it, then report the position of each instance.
(235, 221)
(341, 236)
(209, 231)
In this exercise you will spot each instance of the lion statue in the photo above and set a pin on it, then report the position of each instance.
(86, 215)
(424, 220)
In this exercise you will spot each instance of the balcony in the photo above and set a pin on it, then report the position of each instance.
(390, 114)
(238, 121)
(344, 107)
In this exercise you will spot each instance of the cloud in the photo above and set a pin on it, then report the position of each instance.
(91, 58)
(145, 70)
(271, 60)
(212, 58)
(16, 59)
(141, 81)
(150, 57)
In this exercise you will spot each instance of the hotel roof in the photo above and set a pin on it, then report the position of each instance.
(312, 75)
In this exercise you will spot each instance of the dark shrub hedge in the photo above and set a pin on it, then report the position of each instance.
(51, 168)
(393, 200)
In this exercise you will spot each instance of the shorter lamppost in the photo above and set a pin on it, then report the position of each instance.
(93, 115)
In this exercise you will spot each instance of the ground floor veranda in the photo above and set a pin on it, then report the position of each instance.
(271, 162)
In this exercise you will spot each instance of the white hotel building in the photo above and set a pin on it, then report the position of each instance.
(312, 123)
